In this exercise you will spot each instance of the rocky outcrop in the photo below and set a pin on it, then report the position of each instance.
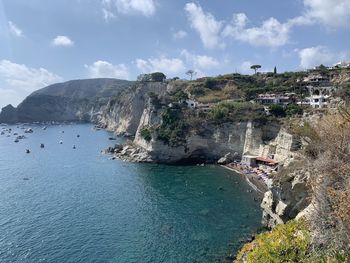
(289, 197)
(198, 148)
(209, 145)
(272, 140)
(123, 114)
(228, 158)
(8, 114)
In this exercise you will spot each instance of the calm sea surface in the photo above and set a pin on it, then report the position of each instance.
(60, 204)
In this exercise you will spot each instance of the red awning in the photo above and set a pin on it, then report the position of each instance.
(266, 160)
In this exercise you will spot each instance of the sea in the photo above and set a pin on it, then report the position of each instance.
(69, 202)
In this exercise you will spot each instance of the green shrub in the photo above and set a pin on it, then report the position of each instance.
(155, 101)
(173, 128)
(210, 83)
(277, 110)
(236, 111)
(180, 96)
(285, 243)
(146, 134)
(219, 113)
(293, 109)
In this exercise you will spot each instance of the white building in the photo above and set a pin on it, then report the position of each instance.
(317, 80)
(266, 99)
(342, 64)
(318, 101)
(191, 103)
(319, 96)
(204, 107)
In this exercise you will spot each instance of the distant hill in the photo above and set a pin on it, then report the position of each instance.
(69, 101)
(84, 88)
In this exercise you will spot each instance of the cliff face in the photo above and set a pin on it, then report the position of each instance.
(122, 115)
(289, 197)
(69, 101)
(271, 140)
(210, 144)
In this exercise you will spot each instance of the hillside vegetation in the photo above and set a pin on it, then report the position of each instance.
(324, 236)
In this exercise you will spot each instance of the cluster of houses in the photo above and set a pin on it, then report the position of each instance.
(320, 93)
(319, 88)
(340, 64)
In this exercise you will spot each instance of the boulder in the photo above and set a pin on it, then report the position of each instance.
(228, 158)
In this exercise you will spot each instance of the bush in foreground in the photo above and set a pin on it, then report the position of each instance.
(285, 243)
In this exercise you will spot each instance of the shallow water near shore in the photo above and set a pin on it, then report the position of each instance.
(60, 204)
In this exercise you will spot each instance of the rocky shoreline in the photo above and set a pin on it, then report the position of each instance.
(251, 179)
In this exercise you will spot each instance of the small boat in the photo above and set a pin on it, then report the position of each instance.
(78, 135)
(27, 151)
(61, 142)
(44, 128)
(16, 140)
(74, 147)
(29, 130)
(42, 145)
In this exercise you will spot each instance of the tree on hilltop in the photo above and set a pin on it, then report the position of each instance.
(191, 73)
(255, 67)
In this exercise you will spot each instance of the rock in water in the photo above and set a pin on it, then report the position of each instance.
(228, 158)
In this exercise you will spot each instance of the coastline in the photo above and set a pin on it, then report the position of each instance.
(258, 186)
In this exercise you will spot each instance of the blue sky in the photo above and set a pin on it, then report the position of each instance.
(43, 42)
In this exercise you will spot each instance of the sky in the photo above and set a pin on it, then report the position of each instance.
(44, 42)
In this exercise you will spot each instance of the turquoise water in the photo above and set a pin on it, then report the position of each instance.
(60, 204)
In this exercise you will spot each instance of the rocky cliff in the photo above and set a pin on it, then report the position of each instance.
(69, 101)
(122, 114)
(289, 196)
(208, 144)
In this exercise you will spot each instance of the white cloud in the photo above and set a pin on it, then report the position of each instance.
(163, 64)
(15, 30)
(206, 25)
(315, 56)
(104, 69)
(331, 13)
(180, 34)
(17, 81)
(127, 7)
(200, 61)
(107, 14)
(271, 33)
(62, 41)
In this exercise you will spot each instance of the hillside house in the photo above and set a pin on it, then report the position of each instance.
(342, 64)
(205, 107)
(267, 99)
(319, 97)
(317, 80)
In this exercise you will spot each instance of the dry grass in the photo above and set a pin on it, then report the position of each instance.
(331, 182)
